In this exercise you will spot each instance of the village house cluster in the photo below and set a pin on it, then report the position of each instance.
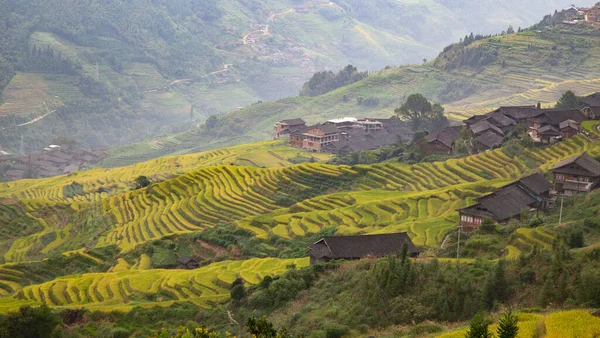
(54, 161)
(544, 125)
(344, 135)
(575, 15)
(579, 174)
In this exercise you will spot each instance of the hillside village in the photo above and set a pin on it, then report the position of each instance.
(55, 160)
(463, 228)
(581, 15)
(347, 135)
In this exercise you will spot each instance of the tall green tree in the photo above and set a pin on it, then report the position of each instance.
(495, 287)
(479, 327)
(417, 110)
(568, 101)
(507, 327)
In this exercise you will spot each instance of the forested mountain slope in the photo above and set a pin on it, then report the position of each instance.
(108, 73)
(536, 65)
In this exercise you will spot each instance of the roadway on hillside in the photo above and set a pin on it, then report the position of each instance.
(267, 30)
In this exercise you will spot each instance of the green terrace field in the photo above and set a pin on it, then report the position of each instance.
(124, 290)
(573, 323)
(98, 183)
(286, 202)
(65, 240)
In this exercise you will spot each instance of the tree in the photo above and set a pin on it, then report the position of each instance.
(495, 287)
(29, 322)
(418, 110)
(539, 105)
(141, 182)
(237, 291)
(479, 327)
(568, 101)
(262, 328)
(507, 327)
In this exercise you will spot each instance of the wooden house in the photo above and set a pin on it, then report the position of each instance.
(528, 194)
(442, 142)
(285, 127)
(568, 128)
(576, 174)
(188, 262)
(317, 136)
(357, 247)
(591, 106)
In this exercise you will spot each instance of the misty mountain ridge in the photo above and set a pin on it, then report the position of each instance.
(109, 73)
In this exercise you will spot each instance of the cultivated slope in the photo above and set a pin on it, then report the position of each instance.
(159, 66)
(525, 68)
(39, 219)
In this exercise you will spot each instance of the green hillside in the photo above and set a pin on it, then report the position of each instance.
(536, 65)
(89, 240)
(114, 74)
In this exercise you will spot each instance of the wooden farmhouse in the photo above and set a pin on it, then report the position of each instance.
(442, 142)
(345, 135)
(528, 194)
(576, 175)
(285, 127)
(591, 105)
(357, 247)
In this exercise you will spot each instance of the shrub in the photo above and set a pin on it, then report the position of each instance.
(238, 292)
(424, 329)
(335, 331)
(222, 257)
(29, 322)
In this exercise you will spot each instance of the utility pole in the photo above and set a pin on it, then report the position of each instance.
(458, 245)
(562, 200)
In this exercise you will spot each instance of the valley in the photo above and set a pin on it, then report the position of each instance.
(473, 207)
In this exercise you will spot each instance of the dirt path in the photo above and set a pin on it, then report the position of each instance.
(267, 30)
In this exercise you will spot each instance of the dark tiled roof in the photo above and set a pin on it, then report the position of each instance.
(328, 129)
(520, 112)
(569, 123)
(592, 100)
(508, 202)
(293, 122)
(474, 119)
(536, 183)
(489, 139)
(555, 117)
(476, 210)
(352, 247)
(500, 120)
(587, 164)
(549, 130)
(446, 136)
(483, 126)
(511, 199)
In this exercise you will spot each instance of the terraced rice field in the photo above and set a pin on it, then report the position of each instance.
(124, 290)
(574, 323)
(215, 195)
(117, 180)
(426, 216)
(523, 240)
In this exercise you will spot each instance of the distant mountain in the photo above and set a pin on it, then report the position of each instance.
(113, 72)
(472, 77)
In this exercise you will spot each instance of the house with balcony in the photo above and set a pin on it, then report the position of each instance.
(579, 174)
(527, 195)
